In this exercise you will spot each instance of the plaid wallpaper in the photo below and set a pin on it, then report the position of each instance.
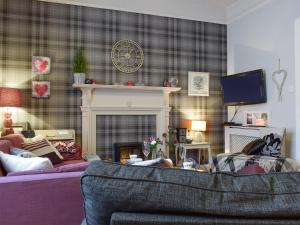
(172, 47)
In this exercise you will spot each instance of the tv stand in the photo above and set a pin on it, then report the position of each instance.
(232, 124)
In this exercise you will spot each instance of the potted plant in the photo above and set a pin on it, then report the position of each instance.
(79, 67)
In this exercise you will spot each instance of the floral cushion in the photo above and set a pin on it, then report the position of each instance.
(68, 149)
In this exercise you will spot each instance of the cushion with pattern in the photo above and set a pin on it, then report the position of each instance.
(273, 145)
(43, 148)
(68, 149)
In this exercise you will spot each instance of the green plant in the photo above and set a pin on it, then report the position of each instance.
(171, 141)
(80, 63)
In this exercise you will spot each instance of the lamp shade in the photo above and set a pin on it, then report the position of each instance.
(198, 125)
(10, 97)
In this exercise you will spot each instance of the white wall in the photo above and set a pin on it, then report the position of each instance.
(201, 10)
(297, 82)
(257, 40)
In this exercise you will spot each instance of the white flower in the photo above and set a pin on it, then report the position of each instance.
(153, 142)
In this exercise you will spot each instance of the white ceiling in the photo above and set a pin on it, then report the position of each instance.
(222, 3)
(217, 11)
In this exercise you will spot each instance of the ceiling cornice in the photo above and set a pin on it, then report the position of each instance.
(242, 8)
(198, 10)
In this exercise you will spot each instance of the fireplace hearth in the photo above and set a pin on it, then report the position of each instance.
(122, 151)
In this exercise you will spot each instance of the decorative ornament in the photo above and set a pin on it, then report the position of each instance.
(279, 76)
(40, 65)
(127, 56)
(40, 89)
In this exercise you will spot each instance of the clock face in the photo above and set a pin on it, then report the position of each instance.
(127, 56)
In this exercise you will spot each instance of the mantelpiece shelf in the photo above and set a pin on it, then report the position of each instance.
(91, 87)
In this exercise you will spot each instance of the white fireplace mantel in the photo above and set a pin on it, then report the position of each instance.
(122, 100)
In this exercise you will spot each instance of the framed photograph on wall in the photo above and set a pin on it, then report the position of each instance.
(198, 84)
(256, 118)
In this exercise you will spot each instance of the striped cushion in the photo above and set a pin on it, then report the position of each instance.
(43, 148)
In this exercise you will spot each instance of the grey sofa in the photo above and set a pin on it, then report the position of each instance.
(132, 195)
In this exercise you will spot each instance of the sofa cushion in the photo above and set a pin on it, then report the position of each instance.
(254, 147)
(43, 148)
(68, 162)
(62, 169)
(15, 139)
(123, 218)
(251, 169)
(21, 152)
(273, 145)
(12, 163)
(5, 146)
(111, 187)
(234, 162)
(68, 149)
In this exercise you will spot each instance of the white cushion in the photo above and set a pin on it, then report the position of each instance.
(12, 163)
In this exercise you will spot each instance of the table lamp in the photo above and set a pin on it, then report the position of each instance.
(198, 126)
(9, 97)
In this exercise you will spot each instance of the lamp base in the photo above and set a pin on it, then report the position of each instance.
(198, 137)
(7, 131)
(7, 124)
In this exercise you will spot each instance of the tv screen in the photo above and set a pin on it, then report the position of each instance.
(244, 88)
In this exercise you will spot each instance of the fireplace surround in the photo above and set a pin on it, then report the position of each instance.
(122, 100)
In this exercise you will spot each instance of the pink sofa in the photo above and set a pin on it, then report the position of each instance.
(41, 197)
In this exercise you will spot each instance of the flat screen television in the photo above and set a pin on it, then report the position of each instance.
(244, 88)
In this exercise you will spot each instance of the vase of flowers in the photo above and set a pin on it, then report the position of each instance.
(154, 143)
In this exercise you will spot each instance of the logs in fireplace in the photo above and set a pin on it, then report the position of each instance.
(122, 151)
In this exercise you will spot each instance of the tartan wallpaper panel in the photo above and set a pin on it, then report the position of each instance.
(171, 46)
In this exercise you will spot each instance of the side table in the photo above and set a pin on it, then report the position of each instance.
(200, 146)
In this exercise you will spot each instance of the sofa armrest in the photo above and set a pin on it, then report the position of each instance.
(41, 199)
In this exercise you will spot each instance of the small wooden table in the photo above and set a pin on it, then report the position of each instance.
(199, 147)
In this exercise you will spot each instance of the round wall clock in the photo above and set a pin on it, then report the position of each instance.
(127, 56)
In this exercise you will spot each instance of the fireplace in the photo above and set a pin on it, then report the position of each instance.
(122, 151)
(101, 100)
(114, 129)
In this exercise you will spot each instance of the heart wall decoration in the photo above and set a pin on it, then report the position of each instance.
(279, 77)
(40, 65)
(40, 89)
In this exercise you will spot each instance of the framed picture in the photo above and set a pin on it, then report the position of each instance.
(40, 89)
(40, 65)
(198, 84)
(256, 118)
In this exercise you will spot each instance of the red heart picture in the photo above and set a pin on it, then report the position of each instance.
(40, 65)
(40, 89)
